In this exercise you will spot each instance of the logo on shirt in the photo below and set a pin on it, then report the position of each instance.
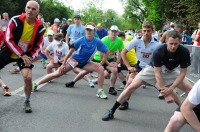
(59, 54)
(146, 55)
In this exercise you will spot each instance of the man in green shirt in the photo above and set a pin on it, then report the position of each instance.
(115, 46)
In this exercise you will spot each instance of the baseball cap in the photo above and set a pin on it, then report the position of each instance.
(56, 20)
(64, 19)
(50, 32)
(171, 23)
(70, 20)
(114, 27)
(90, 27)
(77, 16)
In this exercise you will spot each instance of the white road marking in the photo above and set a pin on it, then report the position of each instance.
(17, 91)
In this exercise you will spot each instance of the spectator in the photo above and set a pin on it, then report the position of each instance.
(102, 32)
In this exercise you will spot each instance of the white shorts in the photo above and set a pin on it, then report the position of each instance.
(148, 76)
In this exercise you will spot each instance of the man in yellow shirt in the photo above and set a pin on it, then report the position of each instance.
(24, 38)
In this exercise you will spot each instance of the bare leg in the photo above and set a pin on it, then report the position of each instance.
(175, 123)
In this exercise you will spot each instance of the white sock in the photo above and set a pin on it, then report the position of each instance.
(3, 85)
(99, 89)
(37, 84)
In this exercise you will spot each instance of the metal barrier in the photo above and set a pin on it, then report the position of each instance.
(193, 74)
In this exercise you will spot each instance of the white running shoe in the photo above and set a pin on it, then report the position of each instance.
(121, 88)
(93, 75)
(95, 81)
(91, 84)
(101, 94)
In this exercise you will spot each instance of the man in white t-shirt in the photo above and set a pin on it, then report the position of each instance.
(189, 112)
(47, 41)
(55, 52)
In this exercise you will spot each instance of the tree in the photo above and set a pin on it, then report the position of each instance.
(52, 9)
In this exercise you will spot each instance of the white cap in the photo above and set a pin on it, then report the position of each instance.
(114, 27)
(90, 27)
(56, 20)
(50, 32)
(171, 23)
(69, 19)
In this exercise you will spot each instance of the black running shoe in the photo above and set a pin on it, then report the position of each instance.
(124, 106)
(112, 91)
(70, 84)
(27, 107)
(109, 115)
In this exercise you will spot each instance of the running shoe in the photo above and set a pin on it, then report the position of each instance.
(112, 91)
(91, 84)
(124, 106)
(6, 91)
(27, 107)
(43, 63)
(34, 87)
(70, 84)
(160, 96)
(93, 75)
(101, 94)
(109, 115)
(95, 81)
(121, 88)
(14, 71)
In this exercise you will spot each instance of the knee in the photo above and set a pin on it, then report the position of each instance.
(173, 125)
(28, 78)
(188, 87)
(100, 69)
(114, 71)
(130, 89)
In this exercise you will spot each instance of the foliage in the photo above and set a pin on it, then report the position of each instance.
(49, 8)
(186, 12)
(13, 7)
(107, 18)
(52, 9)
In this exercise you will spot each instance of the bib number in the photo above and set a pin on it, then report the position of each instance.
(72, 62)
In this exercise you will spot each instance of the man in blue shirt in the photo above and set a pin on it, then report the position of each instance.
(80, 54)
(102, 32)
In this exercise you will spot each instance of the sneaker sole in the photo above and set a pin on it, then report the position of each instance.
(101, 98)
(7, 94)
(119, 89)
(123, 108)
(14, 72)
(113, 94)
(28, 111)
(160, 97)
(108, 119)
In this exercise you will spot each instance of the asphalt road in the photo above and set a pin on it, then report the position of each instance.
(60, 109)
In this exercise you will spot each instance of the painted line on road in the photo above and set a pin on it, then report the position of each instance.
(17, 91)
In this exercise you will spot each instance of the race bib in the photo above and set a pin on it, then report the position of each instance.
(23, 45)
(72, 62)
(4, 28)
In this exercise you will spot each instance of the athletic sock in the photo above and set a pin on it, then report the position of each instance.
(115, 106)
(27, 98)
